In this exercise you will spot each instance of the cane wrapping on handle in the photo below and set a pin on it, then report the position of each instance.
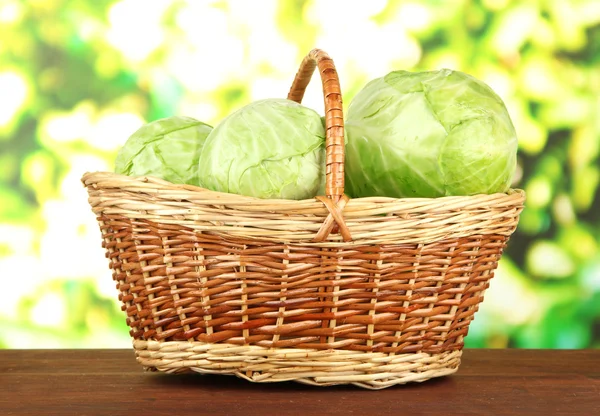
(335, 199)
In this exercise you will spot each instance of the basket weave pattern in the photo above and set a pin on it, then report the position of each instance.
(371, 291)
(178, 285)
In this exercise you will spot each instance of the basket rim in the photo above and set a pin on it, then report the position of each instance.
(143, 184)
(369, 220)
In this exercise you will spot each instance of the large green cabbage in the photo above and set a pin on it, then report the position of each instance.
(272, 148)
(168, 148)
(428, 134)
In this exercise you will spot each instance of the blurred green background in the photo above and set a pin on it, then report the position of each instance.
(78, 77)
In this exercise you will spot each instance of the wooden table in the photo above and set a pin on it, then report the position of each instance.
(110, 382)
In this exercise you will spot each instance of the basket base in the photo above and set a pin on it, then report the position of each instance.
(321, 368)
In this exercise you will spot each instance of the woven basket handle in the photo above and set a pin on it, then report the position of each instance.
(334, 137)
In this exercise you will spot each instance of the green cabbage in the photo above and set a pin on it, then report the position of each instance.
(428, 134)
(168, 148)
(272, 148)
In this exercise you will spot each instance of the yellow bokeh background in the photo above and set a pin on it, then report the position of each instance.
(77, 78)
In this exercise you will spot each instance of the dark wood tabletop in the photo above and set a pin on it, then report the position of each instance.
(110, 382)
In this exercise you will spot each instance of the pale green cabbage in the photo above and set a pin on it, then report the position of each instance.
(272, 148)
(167, 148)
(428, 134)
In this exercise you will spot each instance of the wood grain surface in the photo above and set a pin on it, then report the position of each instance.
(110, 382)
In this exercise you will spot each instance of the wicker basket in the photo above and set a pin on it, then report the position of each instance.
(332, 290)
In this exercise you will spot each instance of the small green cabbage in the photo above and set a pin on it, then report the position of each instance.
(428, 134)
(168, 148)
(272, 148)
